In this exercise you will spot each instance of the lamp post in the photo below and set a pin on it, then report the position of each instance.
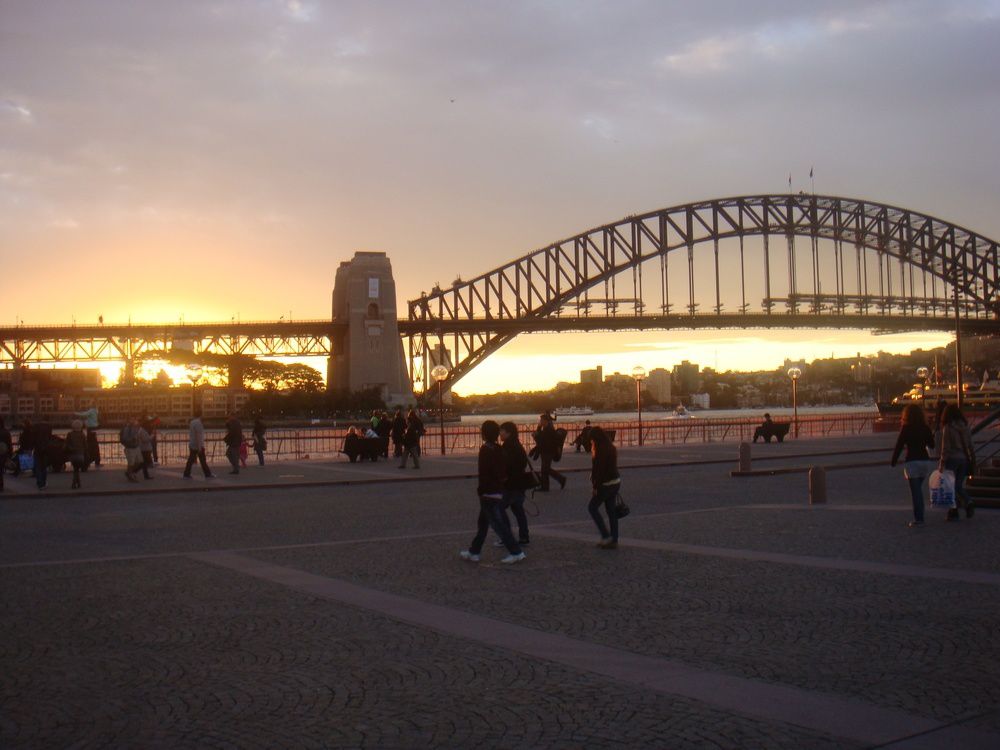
(194, 373)
(439, 373)
(922, 373)
(795, 373)
(639, 373)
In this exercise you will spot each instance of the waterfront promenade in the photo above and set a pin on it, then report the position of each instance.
(323, 604)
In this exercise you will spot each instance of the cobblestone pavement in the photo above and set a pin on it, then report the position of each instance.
(162, 650)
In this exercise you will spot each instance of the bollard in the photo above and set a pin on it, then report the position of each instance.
(744, 456)
(817, 485)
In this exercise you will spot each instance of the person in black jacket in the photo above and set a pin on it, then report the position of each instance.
(397, 432)
(916, 437)
(546, 448)
(411, 440)
(233, 440)
(606, 481)
(259, 439)
(41, 436)
(518, 481)
(492, 478)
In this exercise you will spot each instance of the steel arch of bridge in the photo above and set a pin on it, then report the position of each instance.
(908, 271)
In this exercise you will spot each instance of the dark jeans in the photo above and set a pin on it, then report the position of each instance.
(411, 450)
(260, 453)
(197, 455)
(41, 468)
(233, 455)
(514, 499)
(917, 496)
(491, 513)
(79, 462)
(605, 496)
(548, 471)
(961, 469)
(155, 454)
(147, 461)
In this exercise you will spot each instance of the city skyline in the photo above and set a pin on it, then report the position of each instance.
(220, 160)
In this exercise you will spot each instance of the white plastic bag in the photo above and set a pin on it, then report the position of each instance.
(942, 484)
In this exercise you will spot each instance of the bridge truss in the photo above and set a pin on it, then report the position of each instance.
(716, 264)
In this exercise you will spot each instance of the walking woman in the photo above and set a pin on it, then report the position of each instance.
(518, 479)
(958, 455)
(259, 439)
(492, 475)
(606, 482)
(76, 450)
(411, 440)
(916, 437)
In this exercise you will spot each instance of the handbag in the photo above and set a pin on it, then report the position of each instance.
(942, 484)
(621, 507)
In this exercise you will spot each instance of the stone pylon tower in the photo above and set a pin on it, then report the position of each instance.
(369, 353)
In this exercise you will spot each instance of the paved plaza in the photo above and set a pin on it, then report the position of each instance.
(323, 604)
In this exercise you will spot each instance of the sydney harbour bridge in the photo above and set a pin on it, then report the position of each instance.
(761, 261)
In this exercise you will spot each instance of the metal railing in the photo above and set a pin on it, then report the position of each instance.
(292, 444)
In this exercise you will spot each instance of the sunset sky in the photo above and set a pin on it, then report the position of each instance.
(215, 159)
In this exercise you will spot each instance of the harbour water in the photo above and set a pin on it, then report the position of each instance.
(780, 414)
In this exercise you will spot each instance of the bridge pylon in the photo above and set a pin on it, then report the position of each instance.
(366, 351)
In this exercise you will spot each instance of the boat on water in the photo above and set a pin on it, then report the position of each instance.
(679, 412)
(979, 399)
(574, 411)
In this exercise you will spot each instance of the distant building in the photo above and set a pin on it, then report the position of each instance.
(658, 385)
(686, 377)
(701, 400)
(592, 377)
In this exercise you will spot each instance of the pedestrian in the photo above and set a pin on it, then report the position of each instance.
(411, 440)
(259, 439)
(916, 437)
(519, 480)
(605, 482)
(91, 422)
(397, 432)
(76, 450)
(582, 441)
(128, 436)
(152, 424)
(547, 448)
(6, 443)
(146, 449)
(958, 455)
(41, 439)
(233, 440)
(196, 446)
(492, 477)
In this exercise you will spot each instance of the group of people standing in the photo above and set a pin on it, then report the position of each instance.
(39, 447)
(956, 453)
(505, 475)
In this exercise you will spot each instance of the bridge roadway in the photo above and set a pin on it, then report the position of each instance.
(338, 614)
(70, 343)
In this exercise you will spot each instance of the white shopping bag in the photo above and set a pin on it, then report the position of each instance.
(942, 484)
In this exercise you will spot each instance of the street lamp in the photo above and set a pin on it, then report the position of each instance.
(795, 373)
(439, 373)
(922, 373)
(194, 373)
(639, 373)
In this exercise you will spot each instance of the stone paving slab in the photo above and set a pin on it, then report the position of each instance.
(896, 642)
(178, 654)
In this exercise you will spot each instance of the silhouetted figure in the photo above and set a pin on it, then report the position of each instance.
(76, 450)
(196, 446)
(259, 439)
(606, 482)
(548, 448)
(769, 429)
(233, 441)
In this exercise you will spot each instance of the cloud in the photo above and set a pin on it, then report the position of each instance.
(9, 106)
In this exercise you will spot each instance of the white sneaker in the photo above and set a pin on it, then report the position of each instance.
(498, 543)
(513, 558)
(466, 555)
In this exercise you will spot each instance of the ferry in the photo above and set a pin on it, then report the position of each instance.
(574, 411)
(980, 399)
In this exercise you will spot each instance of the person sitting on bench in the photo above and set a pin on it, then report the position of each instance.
(770, 429)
